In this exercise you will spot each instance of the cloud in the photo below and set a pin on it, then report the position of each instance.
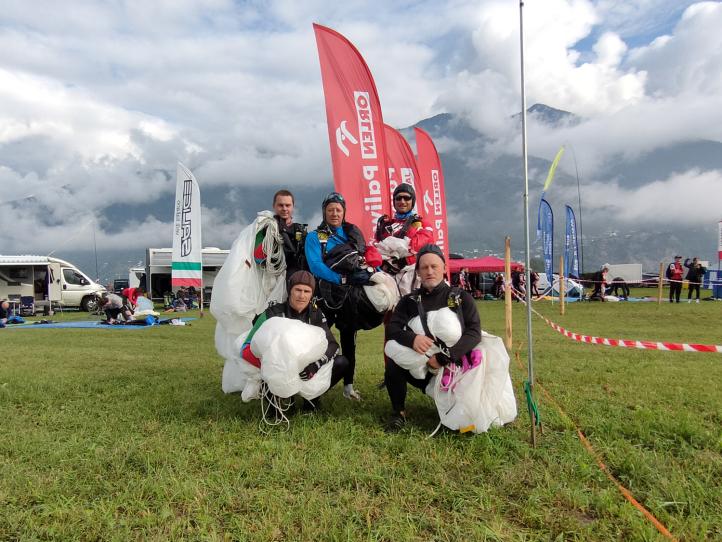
(688, 61)
(99, 100)
(688, 198)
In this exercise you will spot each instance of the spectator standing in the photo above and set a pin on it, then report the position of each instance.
(675, 272)
(534, 278)
(694, 277)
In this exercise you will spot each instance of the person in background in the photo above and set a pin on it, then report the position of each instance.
(4, 312)
(675, 272)
(695, 275)
(534, 278)
(130, 300)
(600, 283)
(499, 286)
(113, 306)
(464, 279)
(618, 284)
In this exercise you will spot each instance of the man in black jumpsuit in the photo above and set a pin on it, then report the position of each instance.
(293, 233)
(434, 294)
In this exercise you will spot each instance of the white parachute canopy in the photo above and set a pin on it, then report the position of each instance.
(241, 290)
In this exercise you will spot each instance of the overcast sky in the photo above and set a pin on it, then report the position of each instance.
(99, 99)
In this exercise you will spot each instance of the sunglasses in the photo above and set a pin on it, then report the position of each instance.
(402, 198)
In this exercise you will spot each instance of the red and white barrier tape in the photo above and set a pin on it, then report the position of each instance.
(645, 345)
(626, 343)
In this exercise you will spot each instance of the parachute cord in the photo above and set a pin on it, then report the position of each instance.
(272, 246)
(273, 411)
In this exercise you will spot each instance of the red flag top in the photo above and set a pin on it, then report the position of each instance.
(432, 180)
(401, 160)
(355, 130)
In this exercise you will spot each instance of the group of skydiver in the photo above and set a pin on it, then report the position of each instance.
(326, 270)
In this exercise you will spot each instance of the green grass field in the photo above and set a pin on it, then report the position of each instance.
(126, 435)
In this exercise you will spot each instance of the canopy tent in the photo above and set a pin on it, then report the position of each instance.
(487, 264)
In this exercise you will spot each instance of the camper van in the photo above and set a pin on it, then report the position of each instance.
(45, 282)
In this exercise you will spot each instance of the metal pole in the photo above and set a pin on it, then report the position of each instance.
(561, 285)
(95, 249)
(507, 293)
(530, 342)
(581, 228)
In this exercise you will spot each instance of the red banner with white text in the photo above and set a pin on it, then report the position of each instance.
(355, 130)
(401, 162)
(431, 176)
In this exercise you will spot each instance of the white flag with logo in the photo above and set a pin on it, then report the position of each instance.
(187, 262)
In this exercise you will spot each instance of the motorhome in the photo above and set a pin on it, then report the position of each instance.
(156, 276)
(46, 282)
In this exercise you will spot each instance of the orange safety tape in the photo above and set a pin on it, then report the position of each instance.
(598, 458)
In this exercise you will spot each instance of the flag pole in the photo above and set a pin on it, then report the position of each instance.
(530, 342)
(581, 224)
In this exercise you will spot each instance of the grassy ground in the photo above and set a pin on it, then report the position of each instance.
(123, 435)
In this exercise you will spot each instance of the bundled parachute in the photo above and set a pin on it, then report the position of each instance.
(443, 324)
(471, 397)
(479, 394)
(285, 347)
(395, 248)
(382, 292)
(241, 290)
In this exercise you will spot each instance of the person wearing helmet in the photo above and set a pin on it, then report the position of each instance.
(405, 224)
(335, 253)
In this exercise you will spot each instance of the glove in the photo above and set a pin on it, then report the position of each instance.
(359, 277)
(309, 371)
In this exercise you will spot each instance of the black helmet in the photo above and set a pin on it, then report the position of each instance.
(405, 188)
(429, 248)
(333, 197)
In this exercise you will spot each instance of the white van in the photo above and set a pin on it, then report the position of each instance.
(48, 281)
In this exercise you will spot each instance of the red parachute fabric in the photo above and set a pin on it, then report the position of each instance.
(401, 161)
(355, 130)
(432, 182)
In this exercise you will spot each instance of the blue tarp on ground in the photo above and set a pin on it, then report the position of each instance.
(88, 324)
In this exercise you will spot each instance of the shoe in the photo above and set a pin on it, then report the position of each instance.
(350, 393)
(382, 384)
(697, 301)
(689, 301)
(395, 423)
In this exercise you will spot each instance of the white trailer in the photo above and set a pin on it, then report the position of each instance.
(48, 282)
(631, 273)
(157, 276)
